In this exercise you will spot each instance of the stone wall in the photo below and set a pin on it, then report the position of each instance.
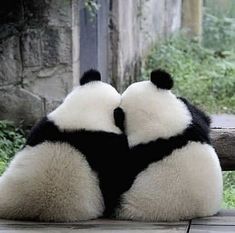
(35, 57)
(46, 44)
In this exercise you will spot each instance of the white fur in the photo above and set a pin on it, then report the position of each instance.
(152, 113)
(184, 185)
(88, 107)
(50, 182)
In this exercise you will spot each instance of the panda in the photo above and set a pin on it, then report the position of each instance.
(174, 172)
(64, 171)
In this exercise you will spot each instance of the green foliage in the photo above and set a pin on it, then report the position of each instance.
(219, 32)
(229, 189)
(225, 8)
(204, 76)
(92, 6)
(11, 140)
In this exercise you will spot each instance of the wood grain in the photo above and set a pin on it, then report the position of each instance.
(224, 221)
(224, 217)
(211, 229)
(223, 141)
(94, 226)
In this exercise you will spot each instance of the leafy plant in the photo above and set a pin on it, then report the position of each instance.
(219, 32)
(229, 189)
(11, 140)
(92, 6)
(201, 75)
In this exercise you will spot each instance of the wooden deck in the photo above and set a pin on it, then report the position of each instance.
(223, 222)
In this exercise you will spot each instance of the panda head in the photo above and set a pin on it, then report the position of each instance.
(152, 111)
(89, 106)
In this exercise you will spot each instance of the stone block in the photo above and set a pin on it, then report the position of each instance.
(56, 46)
(10, 61)
(31, 47)
(60, 13)
(48, 12)
(65, 46)
(52, 83)
(50, 44)
(10, 12)
(35, 12)
(19, 105)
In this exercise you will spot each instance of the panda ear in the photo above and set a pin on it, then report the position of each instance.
(119, 118)
(89, 76)
(162, 79)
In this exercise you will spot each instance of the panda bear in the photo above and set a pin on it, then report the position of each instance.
(174, 170)
(64, 171)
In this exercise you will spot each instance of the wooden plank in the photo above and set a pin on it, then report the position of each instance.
(93, 226)
(224, 221)
(211, 229)
(224, 142)
(106, 222)
(95, 230)
(224, 217)
(56, 230)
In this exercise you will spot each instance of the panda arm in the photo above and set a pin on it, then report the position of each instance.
(119, 118)
(196, 112)
(200, 121)
(44, 130)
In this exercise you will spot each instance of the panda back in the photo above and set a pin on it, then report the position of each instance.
(104, 151)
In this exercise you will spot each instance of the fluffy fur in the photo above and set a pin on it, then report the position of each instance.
(59, 174)
(50, 182)
(176, 173)
(152, 113)
(184, 185)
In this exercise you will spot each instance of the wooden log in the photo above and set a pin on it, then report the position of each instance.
(223, 141)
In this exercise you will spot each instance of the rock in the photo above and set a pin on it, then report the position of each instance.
(52, 83)
(56, 46)
(10, 61)
(10, 12)
(59, 13)
(35, 13)
(19, 105)
(31, 47)
(35, 58)
(52, 105)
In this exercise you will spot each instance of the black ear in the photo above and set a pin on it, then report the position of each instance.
(119, 118)
(162, 79)
(89, 76)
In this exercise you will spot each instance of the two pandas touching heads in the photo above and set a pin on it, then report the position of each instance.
(144, 155)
